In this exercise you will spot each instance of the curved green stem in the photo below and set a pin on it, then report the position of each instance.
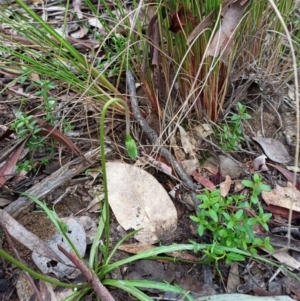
(131, 148)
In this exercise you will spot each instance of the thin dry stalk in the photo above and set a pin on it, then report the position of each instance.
(91, 277)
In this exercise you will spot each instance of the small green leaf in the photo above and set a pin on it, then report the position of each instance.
(213, 215)
(264, 187)
(195, 219)
(223, 232)
(226, 215)
(269, 247)
(253, 251)
(19, 124)
(234, 117)
(235, 257)
(244, 245)
(238, 215)
(254, 199)
(201, 230)
(247, 183)
(228, 242)
(252, 221)
(247, 116)
(267, 216)
(265, 226)
(256, 178)
(230, 224)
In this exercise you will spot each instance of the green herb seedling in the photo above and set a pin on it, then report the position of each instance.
(229, 222)
(257, 187)
(231, 134)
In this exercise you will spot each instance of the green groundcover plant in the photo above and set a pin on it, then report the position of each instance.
(230, 220)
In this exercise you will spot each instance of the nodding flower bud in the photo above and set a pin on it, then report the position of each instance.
(131, 147)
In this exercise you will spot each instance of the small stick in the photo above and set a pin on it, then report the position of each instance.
(154, 139)
(101, 291)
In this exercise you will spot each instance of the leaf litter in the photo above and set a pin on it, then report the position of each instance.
(157, 223)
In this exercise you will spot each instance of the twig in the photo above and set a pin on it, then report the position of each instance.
(91, 277)
(9, 240)
(154, 139)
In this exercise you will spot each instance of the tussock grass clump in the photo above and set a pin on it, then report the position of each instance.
(196, 47)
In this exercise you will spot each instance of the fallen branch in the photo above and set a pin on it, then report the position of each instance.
(154, 140)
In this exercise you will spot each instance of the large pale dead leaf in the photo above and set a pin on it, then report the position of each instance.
(286, 197)
(139, 201)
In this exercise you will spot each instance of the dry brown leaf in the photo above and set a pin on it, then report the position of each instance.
(204, 181)
(4, 202)
(49, 130)
(225, 186)
(7, 170)
(188, 147)
(222, 42)
(260, 163)
(77, 236)
(286, 197)
(136, 248)
(289, 175)
(77, 8)
(200, 27)
(233, 278)
(79, 34)
(204, 130)
(179, 19)
(158, 161)
(287, 260)
(274, 149)
(190, 166)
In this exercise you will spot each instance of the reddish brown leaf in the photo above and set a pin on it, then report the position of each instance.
(205, 182)
(283, 212)
(49, 130)
(9, 167)
(288, 174)
(179, 19)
